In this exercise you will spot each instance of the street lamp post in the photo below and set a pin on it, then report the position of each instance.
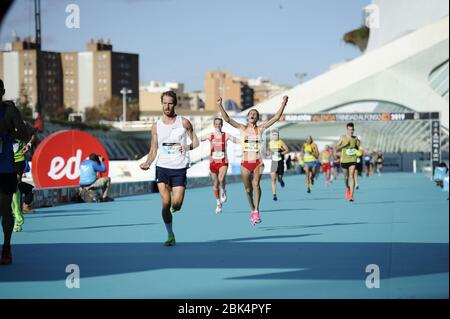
(124, 92)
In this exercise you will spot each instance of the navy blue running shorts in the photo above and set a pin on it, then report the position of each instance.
(171, 177)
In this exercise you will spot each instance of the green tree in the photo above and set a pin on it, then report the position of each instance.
(133, 110)
(112, 110)
(92, 115)
(358, 37)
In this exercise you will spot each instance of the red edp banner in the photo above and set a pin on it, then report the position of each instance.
(57, 160)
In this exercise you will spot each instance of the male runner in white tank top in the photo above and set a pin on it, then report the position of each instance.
(169, 148)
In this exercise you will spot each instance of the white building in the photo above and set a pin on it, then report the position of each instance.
(404, 69)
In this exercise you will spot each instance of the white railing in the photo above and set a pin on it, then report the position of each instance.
(199, 123)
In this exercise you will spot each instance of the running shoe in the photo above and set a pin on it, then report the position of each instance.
(172, 210)
(308, 190)
(6, 256)
(258, 217)
(282, 183)
(107, 199)
(17, 228)
(275, 198)
(253, 217)
(347, 193)
(223, 197)
(170, 241)
(218, 209)
(350, 198)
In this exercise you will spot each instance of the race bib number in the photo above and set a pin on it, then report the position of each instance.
(252, 146)
(276, 157)
(16, 147)
(350, 151)
(171, 148)
(218, 155)
(367, 158)
(358, 160)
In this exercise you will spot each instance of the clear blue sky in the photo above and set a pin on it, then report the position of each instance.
(179, 40)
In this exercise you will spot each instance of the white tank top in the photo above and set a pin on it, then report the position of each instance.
(170, 137)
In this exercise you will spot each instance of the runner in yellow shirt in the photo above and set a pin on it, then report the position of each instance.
(277, 149)
(310, 154)
(347, 143)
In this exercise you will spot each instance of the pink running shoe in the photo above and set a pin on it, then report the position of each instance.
(253, 217)
(257, 217)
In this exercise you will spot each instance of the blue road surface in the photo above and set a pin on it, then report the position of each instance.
(314, 245)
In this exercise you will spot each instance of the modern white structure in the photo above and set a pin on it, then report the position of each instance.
(397, 73)
(404, 69)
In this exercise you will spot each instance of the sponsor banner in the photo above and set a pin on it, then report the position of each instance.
(354, 117)
(57, 160)
(435, 143)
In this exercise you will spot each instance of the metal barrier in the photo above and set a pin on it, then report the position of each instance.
(47, 197)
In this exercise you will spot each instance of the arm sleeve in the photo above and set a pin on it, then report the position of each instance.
(100, 168)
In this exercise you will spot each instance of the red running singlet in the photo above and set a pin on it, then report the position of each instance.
(218, 154)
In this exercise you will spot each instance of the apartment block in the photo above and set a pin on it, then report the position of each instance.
(74, 80)
(233, 90)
